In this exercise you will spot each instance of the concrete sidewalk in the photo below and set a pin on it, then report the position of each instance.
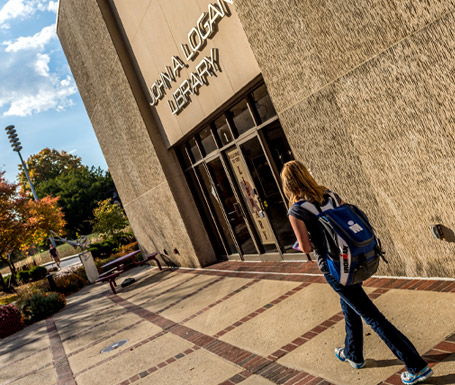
(249, 323)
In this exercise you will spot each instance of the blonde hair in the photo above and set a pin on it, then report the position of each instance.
(298, 184)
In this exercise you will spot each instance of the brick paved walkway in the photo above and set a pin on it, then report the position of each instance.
(231, 323)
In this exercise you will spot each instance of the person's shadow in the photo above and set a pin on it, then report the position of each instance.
(447, 379)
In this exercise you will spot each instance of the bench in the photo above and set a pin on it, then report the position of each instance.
(110, 276)
(148, 258)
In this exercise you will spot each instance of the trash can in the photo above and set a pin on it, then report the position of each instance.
(52, 284)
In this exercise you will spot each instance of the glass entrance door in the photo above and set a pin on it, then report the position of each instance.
(252, 200)
(233, 210)
(268, 194)
(233, 164)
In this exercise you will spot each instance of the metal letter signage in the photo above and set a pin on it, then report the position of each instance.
(207, 67)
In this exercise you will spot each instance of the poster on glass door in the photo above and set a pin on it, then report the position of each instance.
(251, 198)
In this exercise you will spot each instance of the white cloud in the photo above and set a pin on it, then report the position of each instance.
(22, 9)
(72, 151)
(34, 74)
(46, 99)
(53, 6)
(14, 9)
(37, 41)
(42, 64)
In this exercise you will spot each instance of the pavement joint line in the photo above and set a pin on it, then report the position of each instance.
(59, 357)
(434, 356)
(105, 338)
(27, 374)
(135, 346)
(224, 350)
(315, 331)
(164, 292)
(150, 287)
(251, 272)
(217, 302)
(106, 294)
(22, 345)
(392, 282)
(84, 331)
(260, 310)
(158, 366)
(190, 295)
(24, 358)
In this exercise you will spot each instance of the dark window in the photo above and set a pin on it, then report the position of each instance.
(263, 104)
(207, 141)
(194, 150)
(223, 131)
(242, 118)
(183, 155)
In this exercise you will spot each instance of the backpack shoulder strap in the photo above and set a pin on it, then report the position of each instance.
(334, 199)
(311, 207)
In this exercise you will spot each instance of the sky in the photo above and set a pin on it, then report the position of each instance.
(38, 94)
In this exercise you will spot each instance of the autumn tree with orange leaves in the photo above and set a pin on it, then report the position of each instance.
(24, 222)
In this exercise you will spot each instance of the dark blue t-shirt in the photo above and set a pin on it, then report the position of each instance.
(313, 226)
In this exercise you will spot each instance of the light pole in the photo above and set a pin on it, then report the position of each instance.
(16, 145)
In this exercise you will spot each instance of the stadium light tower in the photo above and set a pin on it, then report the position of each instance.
(16, 145)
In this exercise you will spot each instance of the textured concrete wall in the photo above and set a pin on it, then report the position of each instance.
(365, 92)
(125, 134)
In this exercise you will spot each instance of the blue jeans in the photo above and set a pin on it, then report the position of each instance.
(356, 305)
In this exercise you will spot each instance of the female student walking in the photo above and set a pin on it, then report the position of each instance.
(299, 187)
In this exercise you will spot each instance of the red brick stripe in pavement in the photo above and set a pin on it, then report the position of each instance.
(59, 358)
(323, 326)
(260, 310)
(281, 374)
(439, 353)
(251, 362)
(309, 272)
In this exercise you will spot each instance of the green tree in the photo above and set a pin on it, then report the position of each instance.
(78, 187)
(78, 192)
(46, 165)
(109, 218)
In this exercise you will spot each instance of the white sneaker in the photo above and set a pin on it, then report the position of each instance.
(339, 352)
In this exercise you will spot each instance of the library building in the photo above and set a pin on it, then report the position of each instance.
(198, 104)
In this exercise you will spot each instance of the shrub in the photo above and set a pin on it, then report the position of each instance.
(69, 283)
(80, 271)
(126, 249)
(38, 272)
(10, 320)
(41, 305)
(24, 276)
(122, 239)
(102, 249)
